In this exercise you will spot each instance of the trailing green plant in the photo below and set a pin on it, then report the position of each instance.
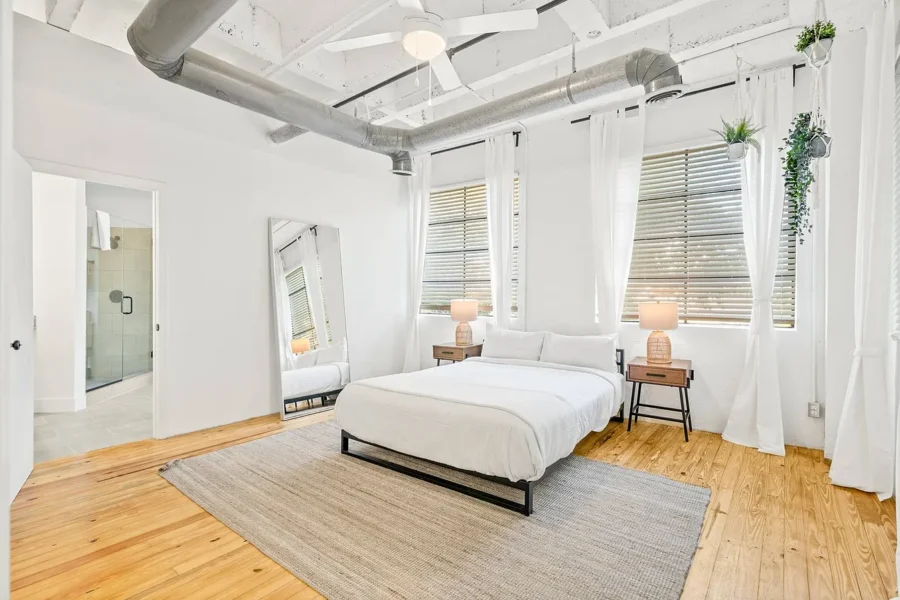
(820, 30)
(741, 131)
(797, 171)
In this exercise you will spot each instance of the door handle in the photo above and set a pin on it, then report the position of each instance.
(16, 345)
(130, 305)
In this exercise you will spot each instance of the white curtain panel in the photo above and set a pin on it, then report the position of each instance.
(419, 198)
(282, 314)
(617, 151)
(864, 447)
(500, 175)
(756, 418)
(310, 262)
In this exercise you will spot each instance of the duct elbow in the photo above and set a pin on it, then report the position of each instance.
(657, 72)
(161, 68)
(401, 164)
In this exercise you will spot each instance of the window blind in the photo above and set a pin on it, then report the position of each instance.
(457, 258)
(301, 317)
(689, 246)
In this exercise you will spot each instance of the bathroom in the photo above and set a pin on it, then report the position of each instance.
(93, 297)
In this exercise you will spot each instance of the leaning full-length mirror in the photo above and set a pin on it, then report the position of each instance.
(311, 329)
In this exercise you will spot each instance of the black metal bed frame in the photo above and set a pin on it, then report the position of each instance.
(308, 399)
(526, 507)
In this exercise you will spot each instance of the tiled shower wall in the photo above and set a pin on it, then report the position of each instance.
(121, 344)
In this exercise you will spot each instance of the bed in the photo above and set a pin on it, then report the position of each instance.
(319, 381)
(507, 420)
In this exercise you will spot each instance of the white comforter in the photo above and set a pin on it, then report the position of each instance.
(509, 418)
(319, 379)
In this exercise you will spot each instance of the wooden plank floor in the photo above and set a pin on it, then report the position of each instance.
(105, 525)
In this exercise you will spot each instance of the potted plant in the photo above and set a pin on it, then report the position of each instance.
(815, 42)
(739, 136)
(804, 143)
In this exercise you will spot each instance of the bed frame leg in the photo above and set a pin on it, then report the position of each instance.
(528, 506)
(345, 442)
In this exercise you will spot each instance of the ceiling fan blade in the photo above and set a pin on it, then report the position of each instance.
(445, 72)
(362, 42)
(415, 5)
(513, 20)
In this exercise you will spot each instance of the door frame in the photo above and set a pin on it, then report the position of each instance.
(135, 183)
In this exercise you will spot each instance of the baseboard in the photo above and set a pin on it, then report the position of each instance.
(58, 405)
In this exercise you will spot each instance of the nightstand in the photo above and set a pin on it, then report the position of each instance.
(677, 374)
(454, 353)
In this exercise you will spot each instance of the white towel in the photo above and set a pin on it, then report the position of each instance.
(102, 230)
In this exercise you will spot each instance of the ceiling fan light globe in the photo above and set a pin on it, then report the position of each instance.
(424, 37)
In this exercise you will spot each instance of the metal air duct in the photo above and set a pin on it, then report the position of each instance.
(162, 34)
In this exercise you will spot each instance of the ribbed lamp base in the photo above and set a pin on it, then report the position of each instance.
(659, 348)
(463, 334)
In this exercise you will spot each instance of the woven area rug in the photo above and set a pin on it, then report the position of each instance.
(351, 529)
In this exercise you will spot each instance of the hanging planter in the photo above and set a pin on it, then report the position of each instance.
(815, 42)
(820, 145)
(739, 137)
(806, 141)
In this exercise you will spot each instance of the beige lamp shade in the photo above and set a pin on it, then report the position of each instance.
(464, 311)
(300, 345)
(658, 316)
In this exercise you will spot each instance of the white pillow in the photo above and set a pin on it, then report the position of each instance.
(305, 360)
(506, 343)
(592, 351)
(333, 354)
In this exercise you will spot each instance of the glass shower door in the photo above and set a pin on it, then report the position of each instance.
(105, 299)
(137, 308)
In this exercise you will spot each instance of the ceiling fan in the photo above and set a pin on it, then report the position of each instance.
(424, 36)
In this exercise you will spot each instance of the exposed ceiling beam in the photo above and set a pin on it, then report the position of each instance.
(351, 20)
(583, 18)
(252, 29)
(62, 13)
(561, 53)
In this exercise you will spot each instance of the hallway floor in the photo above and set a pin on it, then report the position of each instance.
(105, 422)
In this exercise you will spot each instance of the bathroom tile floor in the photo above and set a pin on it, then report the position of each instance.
(106, 422)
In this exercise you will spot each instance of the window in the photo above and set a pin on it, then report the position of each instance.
(457, 260)
(301, 315)
(689, 246)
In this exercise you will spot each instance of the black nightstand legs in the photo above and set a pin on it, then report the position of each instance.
(634, 409)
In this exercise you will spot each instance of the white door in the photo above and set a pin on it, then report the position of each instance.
(16, 324)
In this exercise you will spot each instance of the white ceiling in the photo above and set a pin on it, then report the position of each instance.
(281, 39)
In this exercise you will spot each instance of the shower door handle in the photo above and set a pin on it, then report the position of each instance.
(130, 305)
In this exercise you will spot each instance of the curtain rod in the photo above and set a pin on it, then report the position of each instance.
(695, 92)
(461, 146)
(297, 239)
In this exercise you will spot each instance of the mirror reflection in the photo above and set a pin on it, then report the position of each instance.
(311, 327)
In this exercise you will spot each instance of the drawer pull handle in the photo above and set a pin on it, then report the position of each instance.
(447, 352)
(662, 375)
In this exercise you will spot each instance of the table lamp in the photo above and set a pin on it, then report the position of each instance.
(463, 311)
(300, 345)
(658, 316)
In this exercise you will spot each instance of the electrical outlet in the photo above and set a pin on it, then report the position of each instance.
(814, 410)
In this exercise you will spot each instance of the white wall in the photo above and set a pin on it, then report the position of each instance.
(82, 104)
(135, 206)
(60, 299)
(559, 283)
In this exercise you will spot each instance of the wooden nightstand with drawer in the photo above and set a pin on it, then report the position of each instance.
(454, 353)
(677, 374)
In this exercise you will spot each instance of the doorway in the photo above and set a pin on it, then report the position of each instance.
(94, 249)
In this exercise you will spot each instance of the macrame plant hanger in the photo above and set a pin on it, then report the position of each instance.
(820, 141)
